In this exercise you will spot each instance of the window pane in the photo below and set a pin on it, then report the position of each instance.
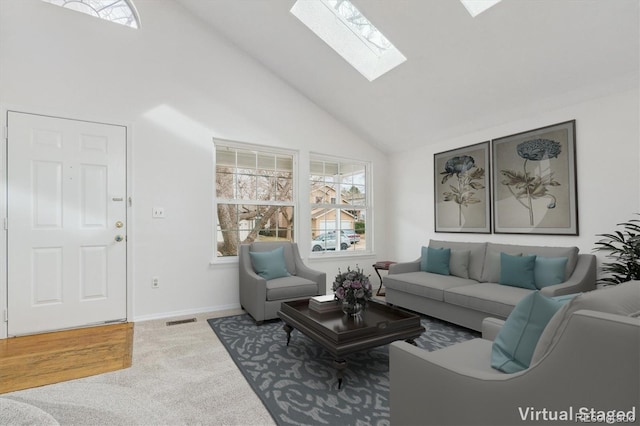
(247, 187)
(265, 187)
(355, 195)
(284, 189)
(284, 163)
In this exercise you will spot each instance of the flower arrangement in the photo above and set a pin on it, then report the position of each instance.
(352, 287)
(469, 178)
(525, 186)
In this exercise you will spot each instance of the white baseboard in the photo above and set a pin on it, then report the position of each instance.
(163, 315)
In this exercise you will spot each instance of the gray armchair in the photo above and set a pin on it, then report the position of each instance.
(592, 364)
(261, 298)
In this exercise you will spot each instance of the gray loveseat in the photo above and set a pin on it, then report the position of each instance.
(472, 291)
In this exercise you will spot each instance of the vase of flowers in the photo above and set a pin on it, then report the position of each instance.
(353, 289)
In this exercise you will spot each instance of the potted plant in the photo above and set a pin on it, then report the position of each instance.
(623, 246)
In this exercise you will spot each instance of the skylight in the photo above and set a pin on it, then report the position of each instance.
(476, 7)
(118, 11)
(347, 31)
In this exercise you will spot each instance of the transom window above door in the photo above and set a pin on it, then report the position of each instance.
(119, 11)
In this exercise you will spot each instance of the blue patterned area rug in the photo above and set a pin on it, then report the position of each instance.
(298, 383)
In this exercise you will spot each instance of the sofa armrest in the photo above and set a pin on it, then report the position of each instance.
(401, 268)
(583, 278)
(491, 327)
(253, 288)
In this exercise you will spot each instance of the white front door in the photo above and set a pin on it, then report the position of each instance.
(66, 232)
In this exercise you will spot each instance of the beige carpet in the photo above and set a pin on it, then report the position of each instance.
(181, 375)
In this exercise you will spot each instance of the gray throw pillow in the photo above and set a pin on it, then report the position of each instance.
(459, 263)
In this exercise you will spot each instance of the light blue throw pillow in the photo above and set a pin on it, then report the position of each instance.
(269, 264)
(518, 271)
(550, 270)
(514, 345)
(435, 260)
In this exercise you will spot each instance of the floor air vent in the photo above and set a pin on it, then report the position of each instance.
(184, 321)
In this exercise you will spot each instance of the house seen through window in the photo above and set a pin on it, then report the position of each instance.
(339, 205)
(254, 196)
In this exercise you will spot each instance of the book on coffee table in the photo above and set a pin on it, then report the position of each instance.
(324, 303)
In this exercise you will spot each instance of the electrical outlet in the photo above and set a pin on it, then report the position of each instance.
(158, 212)
(155, 282)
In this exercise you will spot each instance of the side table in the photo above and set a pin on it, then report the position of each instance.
(383, 265)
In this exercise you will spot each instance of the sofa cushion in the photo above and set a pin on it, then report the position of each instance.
(622, 299)
(425, 284)
(290, 287)
(550, 270)
(514, 345)
(489, 273)
(476, 254)
(474, 355)
(517, 271)
(459, 263)
(269, 264)
(492, 298)
(435, 260)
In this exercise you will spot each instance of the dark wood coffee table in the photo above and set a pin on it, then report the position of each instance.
(340, 334)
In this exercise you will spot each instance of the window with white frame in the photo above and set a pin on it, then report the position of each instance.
(339, 205)
(255, 195)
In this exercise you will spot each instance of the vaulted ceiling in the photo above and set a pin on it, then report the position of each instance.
(462, 74)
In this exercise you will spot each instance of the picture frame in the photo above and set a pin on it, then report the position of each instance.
(462, 201)
(535, 181)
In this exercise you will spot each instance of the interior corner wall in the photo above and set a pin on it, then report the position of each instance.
(176, 84)
(608, 178)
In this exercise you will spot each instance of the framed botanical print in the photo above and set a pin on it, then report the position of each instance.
(461, 190)
(534, 181)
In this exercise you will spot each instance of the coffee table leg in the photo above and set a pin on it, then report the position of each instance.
(288, 329)
(339, 364)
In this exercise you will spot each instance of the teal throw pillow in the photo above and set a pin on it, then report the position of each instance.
(550, 270)
(435, 260)
(518, 271)
(459, 263)
(438, 260)
(269, 264)
(516, 341)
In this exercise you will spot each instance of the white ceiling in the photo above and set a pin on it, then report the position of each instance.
(462, 74)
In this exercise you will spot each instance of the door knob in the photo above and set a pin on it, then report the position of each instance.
(119, 238)
(119, 224)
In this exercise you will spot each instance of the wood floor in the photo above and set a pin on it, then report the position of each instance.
(42, 359)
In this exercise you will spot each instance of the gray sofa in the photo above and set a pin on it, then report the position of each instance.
(585, 364)
(472, 293)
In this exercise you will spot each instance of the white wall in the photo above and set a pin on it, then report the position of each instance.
(607, 151)
(177, 85)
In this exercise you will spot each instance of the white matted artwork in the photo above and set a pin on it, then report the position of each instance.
(534, 182)
(462, 190)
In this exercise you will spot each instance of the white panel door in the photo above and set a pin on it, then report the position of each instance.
(66, 232)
